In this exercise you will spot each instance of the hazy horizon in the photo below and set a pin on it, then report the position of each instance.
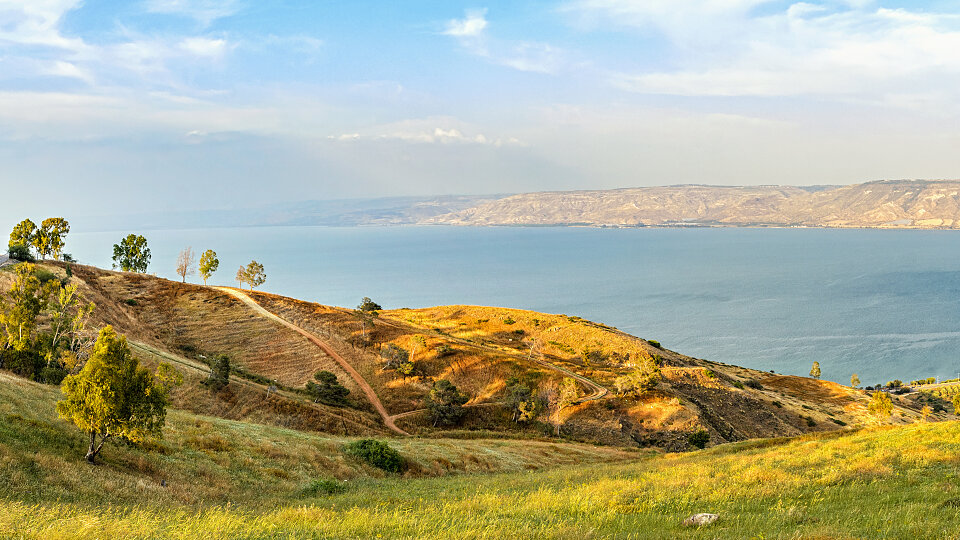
(164, 105)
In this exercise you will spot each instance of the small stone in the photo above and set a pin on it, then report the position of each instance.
(700, 520)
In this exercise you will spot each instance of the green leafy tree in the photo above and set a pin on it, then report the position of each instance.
(23, 233)
(418, 342)
(815, 370)
(20, 309)
(854, 380)
(956, 403)
(113, 396)
(208, 264)
(327, 389)
(368, 305)
(252, 274)
(19, 253)
(365, 318)
(49, 238)
(881, 405)
(445, 403)
(131, 254)
(643, 378)
(520, 401)
(219, 376)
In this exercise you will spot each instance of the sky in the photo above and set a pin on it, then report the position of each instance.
(115, 107)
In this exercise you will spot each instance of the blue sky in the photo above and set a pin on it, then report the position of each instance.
(188, 104)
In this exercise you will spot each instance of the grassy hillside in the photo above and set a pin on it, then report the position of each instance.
(477, 348)
(233, 480)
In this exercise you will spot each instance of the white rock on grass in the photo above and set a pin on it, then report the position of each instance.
(700, 520)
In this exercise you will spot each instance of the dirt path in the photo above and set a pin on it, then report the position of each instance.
(354, 374)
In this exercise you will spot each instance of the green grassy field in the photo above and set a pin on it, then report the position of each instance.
(235, 480)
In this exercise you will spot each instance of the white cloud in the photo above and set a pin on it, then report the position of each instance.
(471, 26)
(419, 131)
(848, 51)
(203, 11)
(204, 47)
(470, 33)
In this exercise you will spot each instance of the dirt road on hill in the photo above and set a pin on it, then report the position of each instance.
(354, 374)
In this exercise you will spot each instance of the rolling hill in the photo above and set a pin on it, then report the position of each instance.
(888, 204)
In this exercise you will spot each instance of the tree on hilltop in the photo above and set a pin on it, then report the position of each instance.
(367, 305)
(49, 238)
(253, 275)
(208, 264)
(113, 396)
(22, 235)
(185, 263)
(854, 380)
(815, 370)
(131, 254)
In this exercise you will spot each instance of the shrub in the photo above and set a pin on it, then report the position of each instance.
(322, 486)
(738, 384)
(838, 422)
(20, 253)
(710, 373)
(130, 302)
(509, 320)
(778, 405)
(810, 421)
(376, 453)
(754, 384)
(699, 438)
(655, 343)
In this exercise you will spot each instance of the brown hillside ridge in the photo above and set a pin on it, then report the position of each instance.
(923, 204)
(476, 348)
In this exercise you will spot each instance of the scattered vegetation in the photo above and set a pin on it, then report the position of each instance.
(445, 404)
(378, 454)
(131, 254)
(327, 389)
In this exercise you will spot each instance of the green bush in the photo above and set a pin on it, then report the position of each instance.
(376, 453)
(509, 320)
(655, 343)
(738, 384)
(699, 438)
(19, 252)
(322, 486)
(754, 384)
(130, 302)
(710, 373)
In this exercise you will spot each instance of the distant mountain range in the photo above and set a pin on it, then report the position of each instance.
(923, 204)
(889, 203)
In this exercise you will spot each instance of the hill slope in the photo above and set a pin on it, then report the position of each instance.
(227, 479)
(901, 203)
(476, 348)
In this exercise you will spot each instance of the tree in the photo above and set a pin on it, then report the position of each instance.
(569, 392)
(132, 254)
(113, 396)
(19, 316)
(854, 380)
(23, 233)
(445, 403)
(49, 237)
(253, 275)
(185, 262)
(365, 318)
(956, 404)
(208, 264)
(520, 401)
(699, 438)
(925, 412)
(219, 376)
(417, 342)
(393, 356)
(643, 378)
(327, 389)
(881, 405)
(815, 370)
(368, 305)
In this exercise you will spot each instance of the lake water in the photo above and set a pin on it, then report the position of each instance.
(884, 304)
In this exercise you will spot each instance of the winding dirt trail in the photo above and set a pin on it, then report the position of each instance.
(388, 420)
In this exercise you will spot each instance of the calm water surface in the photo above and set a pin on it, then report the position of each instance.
(884, 304)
